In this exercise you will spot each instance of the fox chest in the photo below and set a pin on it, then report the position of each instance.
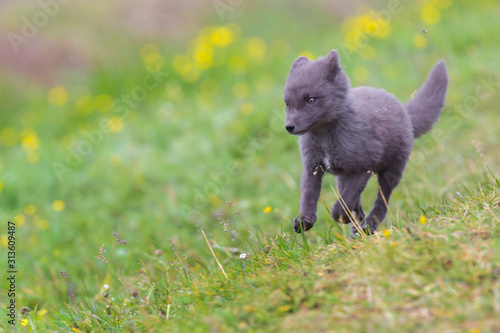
(325, 158)
(332, 165)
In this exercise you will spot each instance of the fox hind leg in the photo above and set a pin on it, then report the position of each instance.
(388, 180)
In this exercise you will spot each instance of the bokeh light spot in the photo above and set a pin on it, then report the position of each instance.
(58, 96)
(58, 205)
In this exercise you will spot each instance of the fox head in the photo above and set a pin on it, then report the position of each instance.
(315, 93)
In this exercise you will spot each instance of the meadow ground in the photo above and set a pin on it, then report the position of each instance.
(153, 187)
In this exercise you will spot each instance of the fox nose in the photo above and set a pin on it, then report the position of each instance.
(290, 128)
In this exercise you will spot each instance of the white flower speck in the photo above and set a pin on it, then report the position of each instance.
(243, 256)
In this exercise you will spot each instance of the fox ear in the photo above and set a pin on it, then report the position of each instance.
(299, 62)
(332, 64)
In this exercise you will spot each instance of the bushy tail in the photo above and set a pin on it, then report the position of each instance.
(426, 106)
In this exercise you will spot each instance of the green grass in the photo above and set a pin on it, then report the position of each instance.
(194, 143)
(435, 276)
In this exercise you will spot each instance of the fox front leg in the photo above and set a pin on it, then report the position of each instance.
(348, 208)
(350, 188)
(310, 188)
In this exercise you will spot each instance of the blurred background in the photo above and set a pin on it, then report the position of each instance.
(157, 119)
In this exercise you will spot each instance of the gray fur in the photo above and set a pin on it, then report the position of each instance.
(352, 132)
(424, 109)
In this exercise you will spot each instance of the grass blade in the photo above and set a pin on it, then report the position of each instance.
(213, 253)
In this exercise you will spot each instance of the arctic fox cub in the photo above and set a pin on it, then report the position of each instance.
(352, 133)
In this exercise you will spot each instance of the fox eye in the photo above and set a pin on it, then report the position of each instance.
(311, 100)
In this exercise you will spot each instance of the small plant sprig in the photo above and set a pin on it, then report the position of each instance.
(118, 240)
(65, 276)
(101, 254)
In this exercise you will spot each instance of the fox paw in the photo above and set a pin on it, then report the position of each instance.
(307, 223)
(368, 227)
(355, 233)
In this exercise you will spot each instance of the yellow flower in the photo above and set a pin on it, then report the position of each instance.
(4, 241)
(267, 209)
(422, 219)
(19, 220)
(358, 28)
(85, 104)
(151, 56)
(116, 124)
(256, 47)
(9, 137)
(203, 56)
(58, 96)
(235, 29)
(115, 160)
(348, 24)
(173, 91)
(354, 40)
(192, 76)
(222, 36)
(386, 233)
(419, 41)
(41, 313)
(24, 322)
(182, 64)
(34, 240)
(31, 142)
(367, 52)
(154, 61)
(148, 49)
(361, 74)
(430, 15)
(246, 108)
(284, 308)
(214, 200)
(69, 140)
(237, 65)
(240, 90)
(378, 28)
(43, 224)
(103, 103)
(30, 209)
(58, 205)
(307, 54)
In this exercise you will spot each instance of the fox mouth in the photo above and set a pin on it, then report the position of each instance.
(299, 133)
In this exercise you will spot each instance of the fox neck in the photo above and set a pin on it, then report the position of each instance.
(343, 125)
(336, 137)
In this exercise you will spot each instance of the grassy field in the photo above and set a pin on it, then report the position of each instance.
(153, 186)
